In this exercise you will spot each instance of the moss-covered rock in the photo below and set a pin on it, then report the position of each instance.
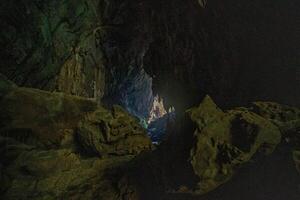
(42, 138)
(287, 118)
(275, 111)
(112, 133)
(225, 140)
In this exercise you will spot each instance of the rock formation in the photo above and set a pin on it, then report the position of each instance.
(57, 146)
(79, 72)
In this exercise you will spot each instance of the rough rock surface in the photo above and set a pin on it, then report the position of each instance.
(115, 133)
(33, 173)
(53, 45)
(40, 116)
(44, 141)
(219, 150)
(91, 47)
(225, 140)
(287, 118)
(57, 146)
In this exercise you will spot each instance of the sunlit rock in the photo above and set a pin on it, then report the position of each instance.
(158, 110)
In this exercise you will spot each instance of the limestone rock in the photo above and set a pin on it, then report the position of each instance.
(36, 116)
(205, 113)
(40, 157)
(275, 111)
(287, 118)
(116, 133)
(225, 140)
(53, 45)
(58, 174)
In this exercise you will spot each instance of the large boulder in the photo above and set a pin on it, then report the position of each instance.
(225, 140)
(112, 133)
(58, 146)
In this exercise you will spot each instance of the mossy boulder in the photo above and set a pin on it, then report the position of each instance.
(225, 140)
(45, 138)
(112, 133)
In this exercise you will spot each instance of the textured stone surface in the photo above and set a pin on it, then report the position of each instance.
(57, 174)
(287, 118)
(42, 157)
(40, 116)
(112, 133)
(90, 48)
(211, 152)
(225, 140)
(53, 45)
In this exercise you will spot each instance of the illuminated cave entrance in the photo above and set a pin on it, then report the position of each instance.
(137, 97)
(158, 119)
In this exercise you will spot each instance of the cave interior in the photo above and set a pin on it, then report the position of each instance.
(161, 99)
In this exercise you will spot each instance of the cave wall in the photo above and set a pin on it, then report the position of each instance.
(53, 45)
(236, 51)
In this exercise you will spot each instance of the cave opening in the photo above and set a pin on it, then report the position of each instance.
(159, 119)
(136, 95)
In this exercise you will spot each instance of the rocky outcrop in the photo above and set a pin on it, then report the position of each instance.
(287, 118)
(116, 133)
(57, 146)
(90, 48)
(226, 140)
(211, 152)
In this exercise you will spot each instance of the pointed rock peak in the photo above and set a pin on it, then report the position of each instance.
(208, 101)
(206, 112)
(208, 105)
